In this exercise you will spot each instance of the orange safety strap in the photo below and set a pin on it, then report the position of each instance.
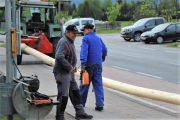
(41, 101)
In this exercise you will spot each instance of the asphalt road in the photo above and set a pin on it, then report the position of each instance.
(153, 60)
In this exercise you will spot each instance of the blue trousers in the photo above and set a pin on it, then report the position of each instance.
(95, 76)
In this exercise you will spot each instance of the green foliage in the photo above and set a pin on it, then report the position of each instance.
(174, 44)
(2, 45)
(113, 12)
(105, 31)
(61, 15)
(145, 10)
(90, 8)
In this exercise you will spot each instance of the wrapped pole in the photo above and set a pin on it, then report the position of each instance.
(116, 85)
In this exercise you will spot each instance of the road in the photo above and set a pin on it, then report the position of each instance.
(151, 60)
(151, 66)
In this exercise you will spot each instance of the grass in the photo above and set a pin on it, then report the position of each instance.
(3, 45)
(105, 31)
(174, 44)
(15, 117)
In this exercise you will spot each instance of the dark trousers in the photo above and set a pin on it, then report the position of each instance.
(67, 86)
(95, 76)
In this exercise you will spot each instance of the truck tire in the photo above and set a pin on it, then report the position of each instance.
(137, 36)
(54, 42)
(19, 59)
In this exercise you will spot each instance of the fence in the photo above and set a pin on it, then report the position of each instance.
(103, 26)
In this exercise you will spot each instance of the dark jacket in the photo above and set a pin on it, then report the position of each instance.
(65, 57)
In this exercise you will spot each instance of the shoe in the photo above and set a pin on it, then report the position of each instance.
(98, 108)
(83, 116)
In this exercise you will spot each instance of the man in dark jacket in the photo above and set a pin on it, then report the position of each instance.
(64, 68)
(92, 54)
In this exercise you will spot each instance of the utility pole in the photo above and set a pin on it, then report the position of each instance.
(8, 46)
(14, 26)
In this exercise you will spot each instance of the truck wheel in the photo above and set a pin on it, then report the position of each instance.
(19, 59)
(54, 42)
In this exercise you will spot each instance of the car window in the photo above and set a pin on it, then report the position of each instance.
(178, 27)
(87, 22)
(76, 23)
(159, 21)
(171, 28)
(150, 23)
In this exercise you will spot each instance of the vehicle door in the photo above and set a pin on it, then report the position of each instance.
(170, 32)
(178, 30)
(77, 24)
(150, 24)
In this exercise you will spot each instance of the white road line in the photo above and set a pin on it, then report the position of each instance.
(175, 64)
(110, 44)
(149, 75)
(147, 48)
(120, 68)
(131, 56)
(172, 52)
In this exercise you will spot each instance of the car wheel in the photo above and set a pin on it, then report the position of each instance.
(159, 39)
(127, 39)
(137, 36)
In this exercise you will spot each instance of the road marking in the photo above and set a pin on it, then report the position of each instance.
(147, 48)
(175, 64)
(172, 52)
(131, 56)
(120, 68)
(149, 75)
(110, 44)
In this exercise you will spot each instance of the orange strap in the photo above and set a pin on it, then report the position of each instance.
(85, 78)
(41, 101)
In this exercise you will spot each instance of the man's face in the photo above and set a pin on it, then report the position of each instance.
(72, 35)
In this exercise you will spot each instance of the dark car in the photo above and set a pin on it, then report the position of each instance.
(161, 33)
(134, 31)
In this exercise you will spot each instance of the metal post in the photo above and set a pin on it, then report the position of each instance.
(59, 9)
(14, 26)
(8, 46)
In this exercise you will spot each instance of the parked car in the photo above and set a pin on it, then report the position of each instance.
(161, 33)
(134, 31)
(79, 23)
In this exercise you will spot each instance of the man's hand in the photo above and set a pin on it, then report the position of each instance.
(75, 69)
(72, 69)
(103, 58)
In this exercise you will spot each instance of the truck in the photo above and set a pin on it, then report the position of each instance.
(37, 26)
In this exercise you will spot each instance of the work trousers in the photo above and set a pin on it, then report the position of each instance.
(67, 86)
(95, 76)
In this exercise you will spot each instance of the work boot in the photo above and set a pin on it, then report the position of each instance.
(98, 108)
(83, 116)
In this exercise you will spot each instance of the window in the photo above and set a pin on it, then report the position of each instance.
(76, 23)
(159, 21)
(171, 28)
(178, 27)
(150, 23)
(87, 22)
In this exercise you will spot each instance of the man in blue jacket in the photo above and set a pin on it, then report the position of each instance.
(64, 68)
(92, 54)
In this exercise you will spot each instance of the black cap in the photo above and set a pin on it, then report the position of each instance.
(72, 28)
(88, 26)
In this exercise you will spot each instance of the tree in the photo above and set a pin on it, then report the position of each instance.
(144, 10)
(113, 12)
(104, 5)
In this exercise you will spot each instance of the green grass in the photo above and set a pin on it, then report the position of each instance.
(105, 31)
(126, 23)
(3, 45)
(174, 44)
(15, 117)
